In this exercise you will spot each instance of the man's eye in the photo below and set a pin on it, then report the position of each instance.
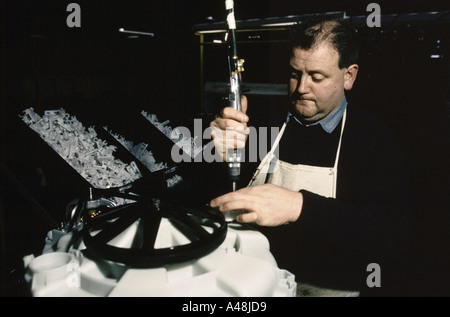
(294, 76)
(317, 78)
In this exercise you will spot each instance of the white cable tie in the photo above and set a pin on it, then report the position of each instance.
(231, 21)
(229, 4)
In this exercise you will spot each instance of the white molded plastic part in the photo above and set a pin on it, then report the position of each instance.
(241, 266)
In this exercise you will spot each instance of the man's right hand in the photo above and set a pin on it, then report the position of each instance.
(229, 128)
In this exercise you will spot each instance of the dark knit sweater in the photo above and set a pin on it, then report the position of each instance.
(334, 240)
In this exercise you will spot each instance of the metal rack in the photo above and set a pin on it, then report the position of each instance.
(272, 31)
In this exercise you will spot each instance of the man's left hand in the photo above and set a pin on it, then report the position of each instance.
(265, 205)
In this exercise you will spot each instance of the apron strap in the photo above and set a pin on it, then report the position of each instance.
(268, 158)
(278, 138)
(340, 139)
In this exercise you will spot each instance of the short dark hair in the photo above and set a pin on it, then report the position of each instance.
(316, 29)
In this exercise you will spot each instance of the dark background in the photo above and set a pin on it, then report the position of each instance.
(106, 78)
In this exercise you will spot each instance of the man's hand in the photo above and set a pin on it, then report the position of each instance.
(267, 205)
(229, 129)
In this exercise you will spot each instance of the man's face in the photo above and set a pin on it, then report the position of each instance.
(316, 83)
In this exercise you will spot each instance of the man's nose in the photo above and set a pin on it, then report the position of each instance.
(303, 85)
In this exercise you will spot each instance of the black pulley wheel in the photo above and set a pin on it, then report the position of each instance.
(205, 228)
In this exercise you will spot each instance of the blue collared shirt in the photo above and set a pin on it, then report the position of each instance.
(330, 122)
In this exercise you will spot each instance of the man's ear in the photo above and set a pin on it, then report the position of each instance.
(350, 76)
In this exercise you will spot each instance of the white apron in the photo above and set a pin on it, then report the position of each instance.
(316, 179)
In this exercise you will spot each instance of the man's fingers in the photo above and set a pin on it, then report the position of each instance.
(228, 124)
(233, 205)
(230, 138)
(244, 103)
(233, 201)
(231, 124)
(247, 217)
(219, 201)
(233, 114)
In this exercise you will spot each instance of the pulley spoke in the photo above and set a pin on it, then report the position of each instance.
(150, 226)
(112, 229)
(187, 225)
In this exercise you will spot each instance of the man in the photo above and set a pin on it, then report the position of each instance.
(332, 199)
